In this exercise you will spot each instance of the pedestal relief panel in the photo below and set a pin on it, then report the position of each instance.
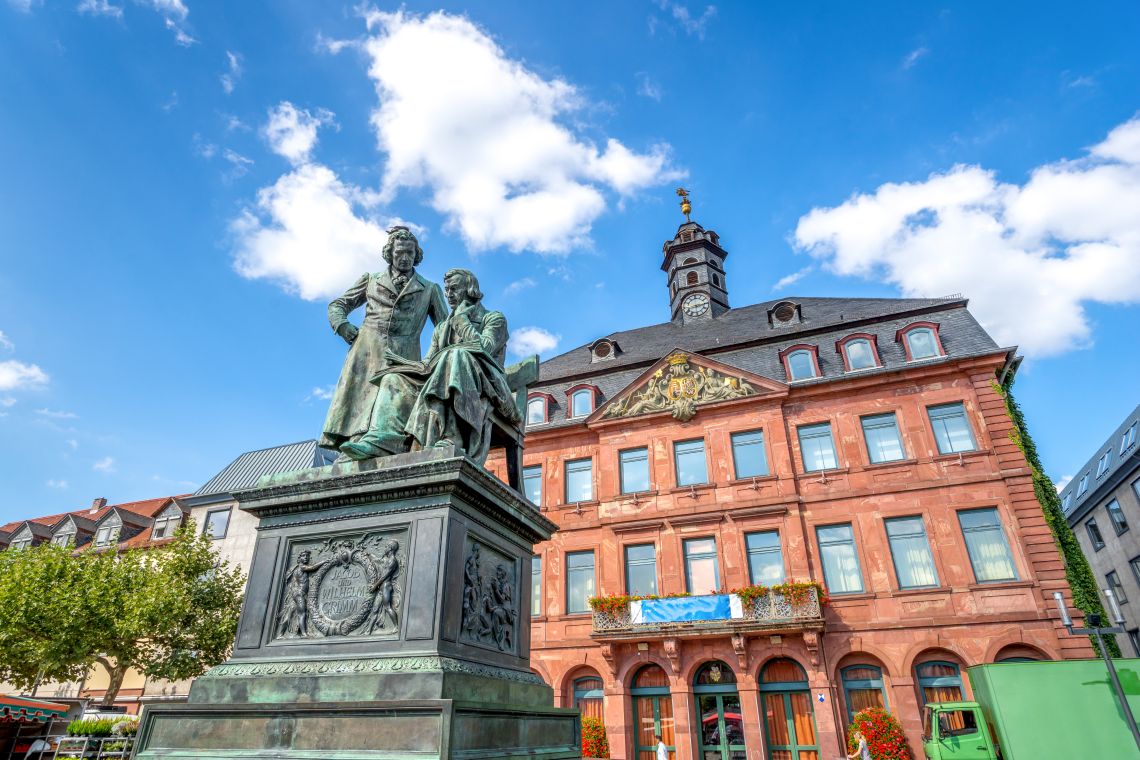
(348, 585)
(490, 612)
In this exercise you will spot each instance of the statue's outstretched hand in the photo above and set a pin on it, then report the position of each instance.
(348, 331)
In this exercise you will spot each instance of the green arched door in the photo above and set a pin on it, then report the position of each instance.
(789, 722)
(721, 731)
(652, 713)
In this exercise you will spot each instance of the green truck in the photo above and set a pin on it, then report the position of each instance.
(1064, 710)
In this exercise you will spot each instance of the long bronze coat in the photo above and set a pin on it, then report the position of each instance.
(393, 321)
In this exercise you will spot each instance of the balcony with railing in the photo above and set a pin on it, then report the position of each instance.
(767, 611)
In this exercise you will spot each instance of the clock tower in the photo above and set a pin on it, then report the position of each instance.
(694, 263)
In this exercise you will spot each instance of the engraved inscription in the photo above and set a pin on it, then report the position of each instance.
(490, 616)
(342, 586)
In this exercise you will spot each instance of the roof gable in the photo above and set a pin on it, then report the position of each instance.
(681, 382)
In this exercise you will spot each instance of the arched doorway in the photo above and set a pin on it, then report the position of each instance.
(863, 687)
(721, 732)
(586, 693)
(652, 712)
(1019, 653)
(785, 701)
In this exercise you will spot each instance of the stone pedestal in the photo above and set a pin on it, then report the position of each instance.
(387, 616)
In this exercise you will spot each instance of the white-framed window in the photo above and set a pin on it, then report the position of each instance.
(166, 523)
(801, 365)
(63, 538)
(536, 411)
(107, 534)
(1128, 439)
(1102, 463)
(581, 402)
(921, 343)
(22, 543)
(1083, 485)
(860, 354)
(1065, 502)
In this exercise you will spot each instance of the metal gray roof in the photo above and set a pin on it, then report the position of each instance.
(743, 338)
(1118, 460)
(246, 470)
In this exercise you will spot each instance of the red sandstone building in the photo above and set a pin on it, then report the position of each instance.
(855, 442)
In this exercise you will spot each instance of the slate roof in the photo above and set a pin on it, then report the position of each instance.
(247, 469)
(743, 338)
(138, 516)
(1120, 464)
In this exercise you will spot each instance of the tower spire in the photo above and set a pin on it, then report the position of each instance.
(686, 206)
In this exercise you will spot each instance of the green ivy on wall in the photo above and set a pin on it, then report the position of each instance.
(1077, 571)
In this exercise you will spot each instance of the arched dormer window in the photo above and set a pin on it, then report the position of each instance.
(859, 351)
(920, 341)
(691, 278)
(801, 362)
(538, 408)
(583, 400)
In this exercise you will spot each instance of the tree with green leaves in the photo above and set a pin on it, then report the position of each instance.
(170, 611)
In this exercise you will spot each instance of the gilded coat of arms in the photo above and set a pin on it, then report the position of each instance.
(678, 388)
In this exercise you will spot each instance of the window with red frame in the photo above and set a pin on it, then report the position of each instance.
(921, 343)
(801, 365)
(536, 411)
(860, 354)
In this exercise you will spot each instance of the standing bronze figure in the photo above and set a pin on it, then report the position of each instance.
(398, 302)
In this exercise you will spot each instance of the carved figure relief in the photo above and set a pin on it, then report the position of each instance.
(350, 587)
(679, 389)
(490, 616)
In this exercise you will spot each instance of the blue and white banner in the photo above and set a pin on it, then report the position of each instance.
(685, 609)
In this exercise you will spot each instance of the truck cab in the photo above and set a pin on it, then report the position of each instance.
(957, 731)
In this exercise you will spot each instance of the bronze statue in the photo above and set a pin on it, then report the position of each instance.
(450, 397)
(397, 304)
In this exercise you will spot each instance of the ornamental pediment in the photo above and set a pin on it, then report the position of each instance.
(682, 382)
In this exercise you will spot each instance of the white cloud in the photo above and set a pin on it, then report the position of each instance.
(16, 375)
(485, 135)
(648, 87)
(1028, 256)
(532, 340)
(292, 132)
(234, 124)
(57, 414)
(203, 147)
(239, 164)
(171, 102)
(330, 45)
(792, 278)
(181, 36)
(100, 8)
(6, 343)
(518, 286)
(7, 401)
(172, 9)
(913, 57)
(233, 74)
(304, 233)
(106, 464)
(24, 6)
(321, 393)
(60, 485)
(693, 26)
(1064, 481)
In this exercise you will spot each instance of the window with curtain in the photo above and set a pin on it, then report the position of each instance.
(910, 550)
(588, 696)
(1094, 535)
(749, 460)
(634, 470)
(532, 484)
(801, 365)
(881, 432)
(536, 411)
(939, 682)
(689, 457)
(987, 545)
(1116, 514)
(863, 688)
(582, 403)
(579, 581)
(701, 573)
(536, 586)
(921, 343)
(1113, 581)
(579, 480)
(641, 570)
(860, 354)
(653, 712)
(817, 447)
(765, 559)
(840, 561)
(952, 430)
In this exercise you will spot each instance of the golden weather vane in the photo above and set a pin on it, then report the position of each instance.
(686, 206)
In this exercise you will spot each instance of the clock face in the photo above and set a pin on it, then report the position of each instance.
(696, 304)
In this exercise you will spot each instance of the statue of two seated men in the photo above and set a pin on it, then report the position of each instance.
(387, 400)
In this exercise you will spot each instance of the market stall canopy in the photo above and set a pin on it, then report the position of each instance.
(22, 709)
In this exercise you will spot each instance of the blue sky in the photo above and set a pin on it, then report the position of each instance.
(184, 184)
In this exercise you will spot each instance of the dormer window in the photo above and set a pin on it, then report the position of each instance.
(602, 350)
(785, 314)
(801, 362)
(536, 411)
(920, 341)
(583, 400)
(108, 531)
(22, 540)
(858, 352)
(166, 523)
(64, 539)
